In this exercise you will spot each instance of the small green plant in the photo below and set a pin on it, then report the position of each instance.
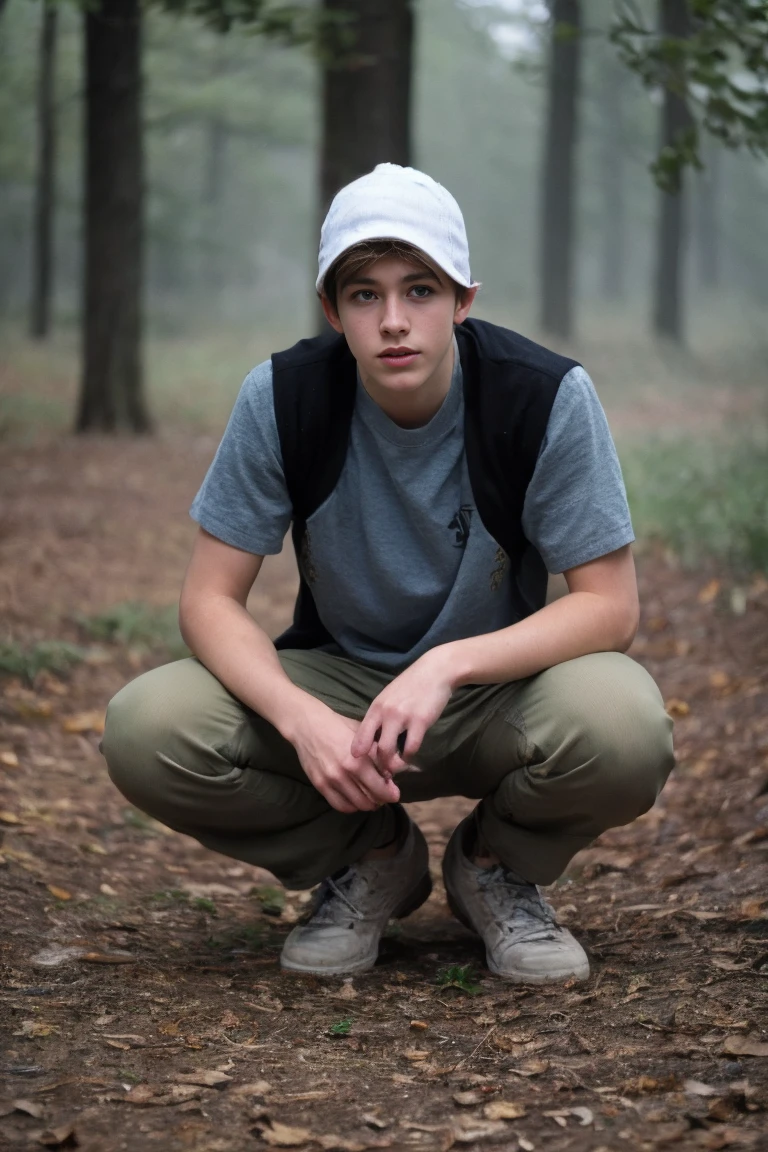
(272, 899)
(169, 896)
(128, 1076)
(205, 905)
(47, 655)
(340, 1028)
(460, 976)
(139, 820)
(137, 625)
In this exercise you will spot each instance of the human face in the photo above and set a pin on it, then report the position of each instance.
(398, 320)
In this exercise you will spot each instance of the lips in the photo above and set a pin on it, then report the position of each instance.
(398, 357)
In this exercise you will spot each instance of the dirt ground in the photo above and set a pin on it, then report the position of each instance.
(142, 1005)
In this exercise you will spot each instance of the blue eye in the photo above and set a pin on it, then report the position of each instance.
(421, 291)
(364, 294)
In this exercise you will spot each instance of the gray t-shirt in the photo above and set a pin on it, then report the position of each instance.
(397, 557)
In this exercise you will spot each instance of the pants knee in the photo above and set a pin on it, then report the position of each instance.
(628, 737)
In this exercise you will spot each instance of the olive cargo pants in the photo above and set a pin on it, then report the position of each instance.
(554, 760)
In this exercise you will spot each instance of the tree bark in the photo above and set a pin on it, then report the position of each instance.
(556, 244)
(670, 237)
(42, 235)
(613, 230)
(112, 396)
(366, 90)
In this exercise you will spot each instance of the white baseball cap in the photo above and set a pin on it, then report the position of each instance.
(396, 203)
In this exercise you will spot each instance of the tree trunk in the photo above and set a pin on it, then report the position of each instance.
(557, 202)
(613, 229)
(670, 238)
(111, 397)
(366, 95)
(708, 218)
(42, 238)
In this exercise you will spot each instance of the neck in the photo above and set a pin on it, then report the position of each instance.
(414, 409)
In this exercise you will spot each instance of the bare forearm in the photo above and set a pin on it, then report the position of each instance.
(228, 641)
(574, 625)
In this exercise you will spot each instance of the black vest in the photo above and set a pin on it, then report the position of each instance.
(510, 385)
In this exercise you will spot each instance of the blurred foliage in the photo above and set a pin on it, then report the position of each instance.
(137, 625)
(703, 497)
(721, 70)
(45, 656)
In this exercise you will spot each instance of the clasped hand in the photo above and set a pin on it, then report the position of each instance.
(353, 764)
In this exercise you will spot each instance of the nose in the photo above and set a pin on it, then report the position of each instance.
(395, 316)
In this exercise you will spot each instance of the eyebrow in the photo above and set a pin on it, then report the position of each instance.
(411, 277)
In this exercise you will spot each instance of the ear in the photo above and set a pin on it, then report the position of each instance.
(331, 314)
(462, 309)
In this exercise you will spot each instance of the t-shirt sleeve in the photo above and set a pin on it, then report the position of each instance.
(576, 504)
(243, 499)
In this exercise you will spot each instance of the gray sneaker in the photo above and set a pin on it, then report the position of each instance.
(352, 908)
(523, 941)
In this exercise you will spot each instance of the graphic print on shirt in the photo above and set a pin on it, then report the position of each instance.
(501, 562)
(461, 525)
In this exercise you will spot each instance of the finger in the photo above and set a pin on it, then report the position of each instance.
(381, 790)
(338, 801)
(413, 740)
(366, 733)
(389, 758)
(348, 786)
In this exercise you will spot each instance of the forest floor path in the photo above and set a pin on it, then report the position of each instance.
(141, 1003)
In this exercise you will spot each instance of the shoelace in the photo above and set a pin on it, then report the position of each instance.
(518, 907)
(327, 892)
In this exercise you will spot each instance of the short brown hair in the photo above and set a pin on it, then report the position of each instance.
(368, 252)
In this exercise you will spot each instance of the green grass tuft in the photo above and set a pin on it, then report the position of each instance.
(340, 1028)
(137, 625)
(48, 655)
(460, 976)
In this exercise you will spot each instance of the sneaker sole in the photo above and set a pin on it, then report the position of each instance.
(413, 900)
(513, 977)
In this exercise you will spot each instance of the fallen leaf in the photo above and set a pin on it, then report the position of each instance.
(698, 1088)
(471, 1129)
(504, 1110)
(229, 1020)
(346, 992)
(59, 893)
(7, 817)
(641, 1085)
(533, 1067)
(118, 1044)
(745, 1046)
(525, 1144)
(419, 1025)
(84, 722)
(374, 1121)
(416, 1053)
(56, 1137)
(28, 1106)
(584, 1115)
(255, 1088)
(709, 592)
(677, 707)
(205, 1078)
(57, 954)
(9, 759)
(282, 1136)
(469, 1099)
(37, 1028)
(107, 890)
(95, 849)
